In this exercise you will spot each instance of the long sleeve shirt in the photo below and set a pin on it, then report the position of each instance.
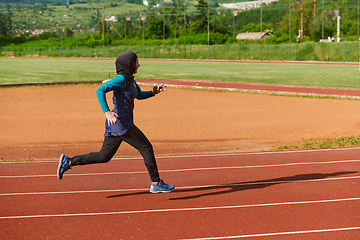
(123, 99)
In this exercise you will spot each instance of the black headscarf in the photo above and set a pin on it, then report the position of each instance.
(125, 65)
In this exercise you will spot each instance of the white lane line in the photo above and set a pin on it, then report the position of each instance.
(181, 209)
(188, 169)
(249, 90)
(278, 233)
(205, 155)
(178, 188)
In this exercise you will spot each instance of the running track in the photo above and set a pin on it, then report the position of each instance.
(352, 93)
(274, 195)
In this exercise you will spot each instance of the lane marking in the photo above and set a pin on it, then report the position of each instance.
(206, 155)
(278, 233)
(180, 209)
(188, 169)
(256, 90)
(186, 187)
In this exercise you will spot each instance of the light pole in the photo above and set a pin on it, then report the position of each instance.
(358, 34)
(234, 14)
(143, 18)
(289, 30)
(184, 29)
(208, 30)
(125, 21)
(163, 29)
(261, 31)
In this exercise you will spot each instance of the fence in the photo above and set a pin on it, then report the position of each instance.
(338, 52)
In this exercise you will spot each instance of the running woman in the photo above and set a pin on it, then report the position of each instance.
(119, 124)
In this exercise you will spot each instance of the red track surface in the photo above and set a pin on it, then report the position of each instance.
(283, 195)
(259, 87)
(280, 195)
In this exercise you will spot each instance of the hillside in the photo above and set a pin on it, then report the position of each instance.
(83, 17)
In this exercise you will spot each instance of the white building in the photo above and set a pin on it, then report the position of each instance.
(111, 19)
(252, 35)
(246, 5)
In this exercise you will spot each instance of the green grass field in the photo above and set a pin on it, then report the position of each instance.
(59, 70)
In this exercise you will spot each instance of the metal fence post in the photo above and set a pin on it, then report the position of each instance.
(327, 52)
(225, 52)
(314, 52)
(265, 52)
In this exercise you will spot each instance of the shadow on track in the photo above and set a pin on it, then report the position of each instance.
(242, 186)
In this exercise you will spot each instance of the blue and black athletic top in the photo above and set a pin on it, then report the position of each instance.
(123, 99)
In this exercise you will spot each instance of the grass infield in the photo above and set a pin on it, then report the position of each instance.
(338, 142)
(14, 71)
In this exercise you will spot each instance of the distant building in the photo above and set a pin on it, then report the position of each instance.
(111, 18)
(252, 35)
(246, 5)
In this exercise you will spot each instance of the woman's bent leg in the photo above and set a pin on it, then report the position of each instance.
(138, 140)
(108, 150)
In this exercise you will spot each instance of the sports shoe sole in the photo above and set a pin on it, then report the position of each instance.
(154, 191)
(59, 166)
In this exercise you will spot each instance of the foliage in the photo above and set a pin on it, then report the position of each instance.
(5, 25)
(155, 30)
(200, 23)
(202, 39)
(339, 142)
(188, 19)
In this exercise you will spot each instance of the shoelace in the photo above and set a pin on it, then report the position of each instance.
(163, 183)
(66, 166)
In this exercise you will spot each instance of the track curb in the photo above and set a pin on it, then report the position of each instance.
(277, 89)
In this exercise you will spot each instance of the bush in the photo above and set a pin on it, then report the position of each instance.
(271, 40)
(202, 39)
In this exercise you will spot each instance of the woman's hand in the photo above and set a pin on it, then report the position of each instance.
(111, 118)
(157, 89)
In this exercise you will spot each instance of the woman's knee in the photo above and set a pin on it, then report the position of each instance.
(105, 158)
(147, 149)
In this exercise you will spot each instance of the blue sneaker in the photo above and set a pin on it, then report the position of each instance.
(161, 187)
(63, 166)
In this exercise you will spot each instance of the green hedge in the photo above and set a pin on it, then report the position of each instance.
(338, 52)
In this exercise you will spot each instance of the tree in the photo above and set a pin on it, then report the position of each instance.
(5, 25)
(155, 29)
(68, 32)
(200, 24)
(120, 26)
(217, 25)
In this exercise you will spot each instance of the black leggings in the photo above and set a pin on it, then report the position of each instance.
(135, 138)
